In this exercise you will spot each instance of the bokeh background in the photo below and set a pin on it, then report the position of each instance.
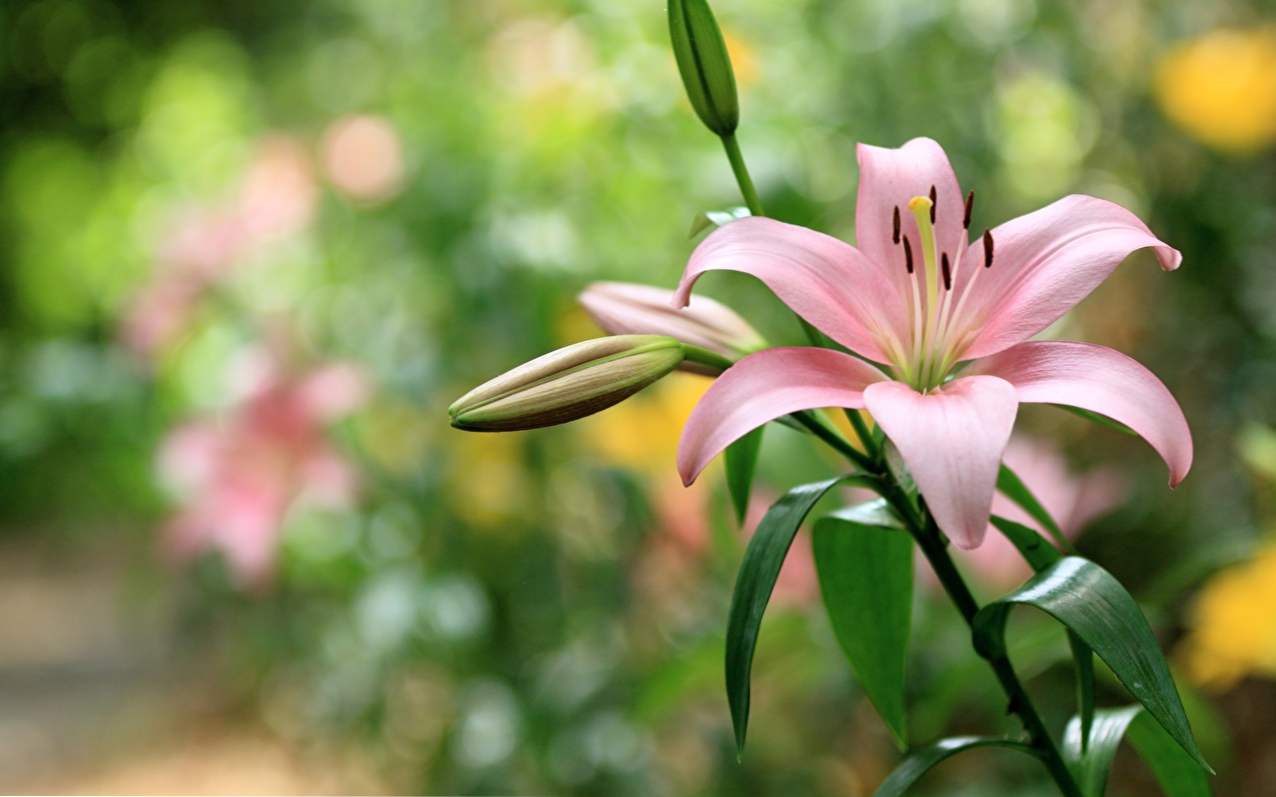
(252, 250)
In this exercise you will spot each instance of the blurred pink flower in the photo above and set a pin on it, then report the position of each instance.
(240, 473)
(1072, 499)
(276, 197)
(363, 157)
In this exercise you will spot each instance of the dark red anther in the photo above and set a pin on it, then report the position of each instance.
(895, 226)
(948, 274)
(987, 248)
(970, 204)
(934, 199)
(908, 255)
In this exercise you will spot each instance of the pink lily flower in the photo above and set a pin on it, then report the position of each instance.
(918, 302)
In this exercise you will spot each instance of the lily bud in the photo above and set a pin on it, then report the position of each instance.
(704, 64)
(567, 384)
(623, 308)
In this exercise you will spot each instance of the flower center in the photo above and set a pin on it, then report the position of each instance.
(939, 327)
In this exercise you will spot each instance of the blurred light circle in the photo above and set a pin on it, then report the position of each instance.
(489, 729)
(1220, 88)
(363, 157)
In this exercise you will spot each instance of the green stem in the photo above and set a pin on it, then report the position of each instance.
(710, 359)
(921, 524)
(741, 171)
(828, 434)
(862, 432)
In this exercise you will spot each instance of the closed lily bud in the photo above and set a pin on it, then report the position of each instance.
(567, 384)
(704, 64)
(624, 308)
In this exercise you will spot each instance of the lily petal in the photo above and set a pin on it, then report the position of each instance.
(825, 281)
(952, 440)
(764, 386)
(1101, 380)
(891, 177)
(624, 308)
(1046, 262)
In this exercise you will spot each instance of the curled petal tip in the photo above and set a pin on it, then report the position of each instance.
(1169, 257)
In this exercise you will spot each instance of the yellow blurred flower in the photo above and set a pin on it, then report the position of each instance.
(642, 433)
(1221, 88)
(486, 480)
(1234, 624)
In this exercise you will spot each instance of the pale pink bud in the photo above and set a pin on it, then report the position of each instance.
(625, 308)
(567, 384)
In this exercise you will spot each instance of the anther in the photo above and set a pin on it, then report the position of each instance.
(970, 204)
(934, 199)
(987, 248)
(948, 274)
(895, 226)
(908, 255)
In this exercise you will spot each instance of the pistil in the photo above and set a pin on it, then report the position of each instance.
(923, 209)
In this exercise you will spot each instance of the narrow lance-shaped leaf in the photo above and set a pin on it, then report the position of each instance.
(754, 583)
(1177, 773)
(1094, 605)
(741, 461)
(1040, 554)
(1102, 420)
(865, 567)
(1010, 485)
(920, 761)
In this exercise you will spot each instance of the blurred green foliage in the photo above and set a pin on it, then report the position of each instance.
(543, 612)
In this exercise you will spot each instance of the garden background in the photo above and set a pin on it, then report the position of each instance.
(252, 251)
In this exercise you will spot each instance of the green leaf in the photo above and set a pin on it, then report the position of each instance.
(865, 571)
(1177, 773)
(754, 582)
(1011, 486)
(742, 459)
(1040, 555)
(1102, 420)
(1094, 605)
(1036, 551)
(1084, 659)
(919, 762)
(716, 218)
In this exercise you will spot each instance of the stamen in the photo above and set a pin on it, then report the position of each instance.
(895, 226)
(987, 249)
(908, 255)
(970, 204)
(948, 275)
(934, 200)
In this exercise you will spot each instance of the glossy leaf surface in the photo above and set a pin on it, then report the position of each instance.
(1093, 605)
(920, 761)
(865, 571)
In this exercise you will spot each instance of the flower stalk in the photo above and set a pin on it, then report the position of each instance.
(921, 525)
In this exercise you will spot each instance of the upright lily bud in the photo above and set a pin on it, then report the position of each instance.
(567, 384)
(704, 64)
(623, 308)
